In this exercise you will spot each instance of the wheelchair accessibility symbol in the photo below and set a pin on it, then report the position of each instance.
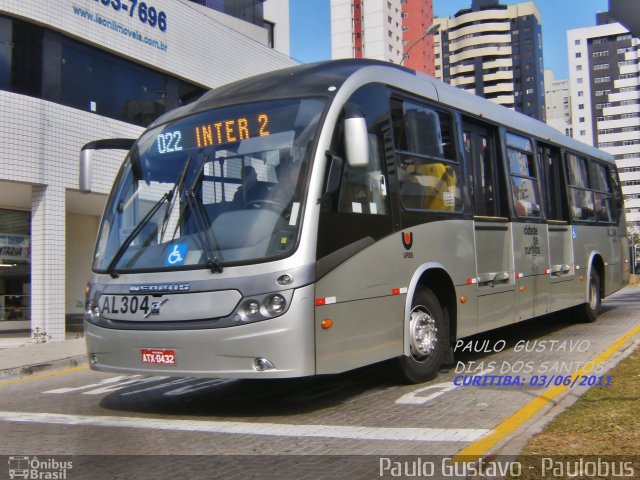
(176, 255)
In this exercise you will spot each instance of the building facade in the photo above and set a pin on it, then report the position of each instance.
(417, 18)
(494, 51)
(557, 101)
(73, 71)
(387, 30)
(604, 75)
(266, 20)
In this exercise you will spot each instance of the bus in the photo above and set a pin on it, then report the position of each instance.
(328, 216)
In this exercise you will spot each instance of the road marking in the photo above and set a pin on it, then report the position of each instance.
(91, 385)
(110, 385)
(242, 428)
(413, 398)
(44, 375)
(478, 449)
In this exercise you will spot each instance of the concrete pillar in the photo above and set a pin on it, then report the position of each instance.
(48, 262)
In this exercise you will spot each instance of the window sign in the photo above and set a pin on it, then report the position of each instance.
(15, 247)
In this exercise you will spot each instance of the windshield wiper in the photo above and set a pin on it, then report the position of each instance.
(167, 197)
(206, 238)
(176, 188)
(134, 233)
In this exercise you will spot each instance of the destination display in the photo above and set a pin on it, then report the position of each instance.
(212, 134)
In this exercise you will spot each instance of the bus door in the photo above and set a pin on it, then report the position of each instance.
(530, 242)
(561, 256)
(604, 202)
(493, 238)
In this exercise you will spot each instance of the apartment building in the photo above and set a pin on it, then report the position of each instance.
(557, 101)
(389, 30)
(604, 76)
(494, 51)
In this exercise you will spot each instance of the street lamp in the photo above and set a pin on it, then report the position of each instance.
(432, 30)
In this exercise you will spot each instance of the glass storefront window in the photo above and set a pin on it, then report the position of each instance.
(15, 265)
(84, 77)
(5, 53)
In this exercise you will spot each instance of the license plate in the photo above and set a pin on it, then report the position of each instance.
(154, 356)
(126, 307)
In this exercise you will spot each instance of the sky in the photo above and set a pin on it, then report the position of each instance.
(311, 26)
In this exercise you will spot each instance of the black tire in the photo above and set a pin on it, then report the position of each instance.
(593, 306)
(428, 335)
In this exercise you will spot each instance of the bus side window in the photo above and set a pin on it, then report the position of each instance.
(524, 181)
(555, 203)
(602, 195)
(580, 197)
(484, 171)
(617, 193)
(427, 171)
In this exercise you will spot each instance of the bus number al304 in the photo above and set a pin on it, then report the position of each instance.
(124, 304)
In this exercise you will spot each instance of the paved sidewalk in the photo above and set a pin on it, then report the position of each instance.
(21, 355)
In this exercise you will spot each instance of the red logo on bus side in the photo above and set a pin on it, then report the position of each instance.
(407, 240)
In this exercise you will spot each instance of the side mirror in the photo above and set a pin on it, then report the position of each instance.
(356, 142)
(86, 170)
(86, 158)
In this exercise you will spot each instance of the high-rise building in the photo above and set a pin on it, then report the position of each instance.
(604, 76)
(557, 101)
(417, 18)
(390, 30)
(494, 51)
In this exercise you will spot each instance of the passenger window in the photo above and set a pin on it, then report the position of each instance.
(577, 168)
(617, 193)
(551, 162)
(424, 130)
(524, 182)
(580, 197)
(483, 169)
(428, 173)
(599, 180)
(582, 207)
(602, 196)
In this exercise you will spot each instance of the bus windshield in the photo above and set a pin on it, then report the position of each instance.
(221, 187)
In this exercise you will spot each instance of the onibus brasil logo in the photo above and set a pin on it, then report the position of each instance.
(38, 469)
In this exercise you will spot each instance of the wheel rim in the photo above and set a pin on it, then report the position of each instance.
(423, 333)
(594, 300)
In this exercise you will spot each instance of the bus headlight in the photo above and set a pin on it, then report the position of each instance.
(92, 313)
(251, 308)
(263, 307)
(275, 304)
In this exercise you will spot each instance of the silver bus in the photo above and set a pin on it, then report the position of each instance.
(328, 216)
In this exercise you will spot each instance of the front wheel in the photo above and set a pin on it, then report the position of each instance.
(427, 338)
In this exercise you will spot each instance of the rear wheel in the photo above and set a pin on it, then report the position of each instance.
(593, 306)
(427, 338)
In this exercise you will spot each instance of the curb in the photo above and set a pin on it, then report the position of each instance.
(61, 364)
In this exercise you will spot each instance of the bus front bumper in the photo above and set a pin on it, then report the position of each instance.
(286, 342)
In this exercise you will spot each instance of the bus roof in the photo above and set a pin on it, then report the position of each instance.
(314, 80)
